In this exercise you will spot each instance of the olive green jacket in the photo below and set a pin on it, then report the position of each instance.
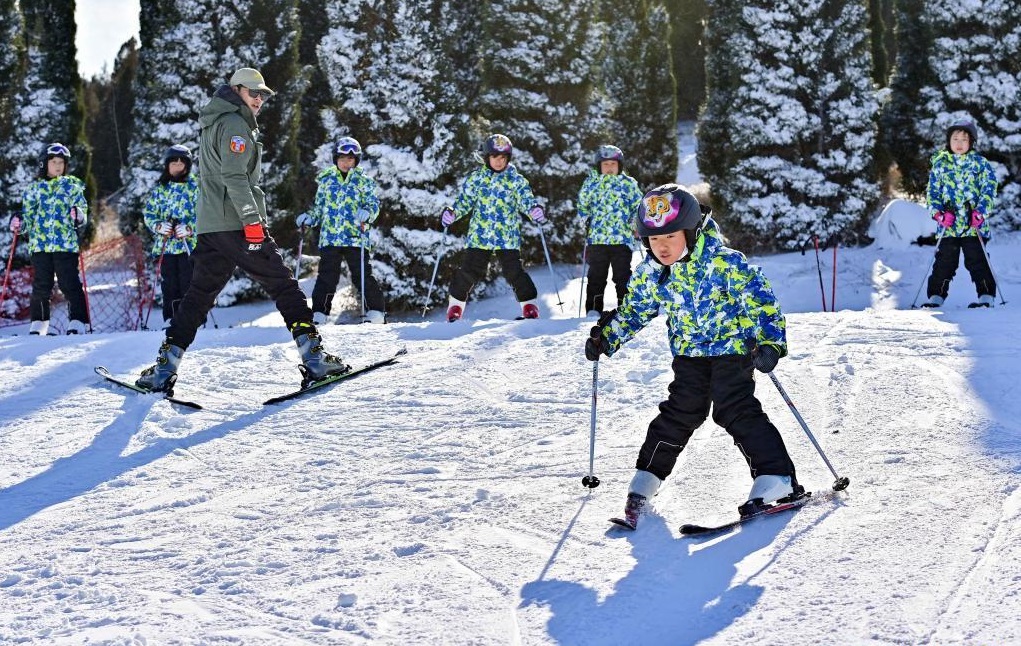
(230, 166)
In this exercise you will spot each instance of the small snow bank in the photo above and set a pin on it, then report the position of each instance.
(900, 224)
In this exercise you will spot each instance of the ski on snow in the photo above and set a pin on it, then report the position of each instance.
(105, 374)
(316, 385)
(705, 530)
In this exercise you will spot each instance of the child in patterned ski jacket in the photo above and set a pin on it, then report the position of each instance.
(607, 202)
(345, 206)
(494, 197)
(722, 321)
(962, 186)
(53, 210)
(169, 214)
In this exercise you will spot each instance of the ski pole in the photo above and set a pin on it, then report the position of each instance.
(584, 262)
(85, 287)
(990, 264)
(833, 291)
(436, 267)
(840, 483)
(553, 277)
(301, 245)
(818, 267)
(7, 273)
(591, 481)
(939, 238)
(362, 242)
(155, 280)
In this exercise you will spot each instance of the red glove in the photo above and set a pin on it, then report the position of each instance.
(254, 233)
(944, 218)
(976, 219)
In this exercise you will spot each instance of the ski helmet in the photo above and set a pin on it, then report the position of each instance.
(177, 151)
(609, 153)
(965, 125)
(55, 149)
(669, 209)
(496, 145)
(347, 146)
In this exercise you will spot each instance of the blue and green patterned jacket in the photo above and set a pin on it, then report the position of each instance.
(609, 203)
(716, 303)
(961, 184)
(172, 202)
(46, 213)
(338, 200)
(495, 202)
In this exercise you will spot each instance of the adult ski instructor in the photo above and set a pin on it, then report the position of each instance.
(231, 228)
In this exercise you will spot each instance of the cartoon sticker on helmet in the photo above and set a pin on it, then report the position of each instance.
(501, 143)
(237, 145)
(660, 210)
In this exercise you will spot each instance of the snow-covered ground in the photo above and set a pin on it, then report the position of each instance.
(439, 501)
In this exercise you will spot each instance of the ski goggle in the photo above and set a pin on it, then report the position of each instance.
(58, 150)
(609, 153)
(347, 148)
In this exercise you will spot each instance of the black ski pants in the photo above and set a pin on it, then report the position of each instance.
(602, 257)
(175, 277)
(948, 256)
(329, 274)
(726, 382)
(215, 257)
(473, 267)
(63, 264)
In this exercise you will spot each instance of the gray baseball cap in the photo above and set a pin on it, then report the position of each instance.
(250, 78)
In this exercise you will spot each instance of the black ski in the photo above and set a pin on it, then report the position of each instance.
(703, 530)
(624, 522)
(316, 385)
(105, 374)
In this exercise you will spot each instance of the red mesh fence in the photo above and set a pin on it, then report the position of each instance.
(118, 287)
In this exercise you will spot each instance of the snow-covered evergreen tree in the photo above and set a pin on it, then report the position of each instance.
(640, 89)
(687, 48)
(790, 141)
(538, 62)
(401, 92)
(47, 106)
(191, 47)
(974, 54)
(906, 123)
(12, 57)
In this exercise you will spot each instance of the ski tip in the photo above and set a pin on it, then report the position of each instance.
(622, 522)
(403, 351)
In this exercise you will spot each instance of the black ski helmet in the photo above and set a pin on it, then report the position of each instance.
(56, 149)
(177, 151)
(609, 153)
(669, 209)
(965, 125)
(347, 146)
(496, 144)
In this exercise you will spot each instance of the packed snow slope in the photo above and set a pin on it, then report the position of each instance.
(439, 500)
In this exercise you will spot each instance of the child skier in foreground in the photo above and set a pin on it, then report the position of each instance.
(723, 321)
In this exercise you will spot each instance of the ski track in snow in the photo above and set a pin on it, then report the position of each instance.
(439, 500)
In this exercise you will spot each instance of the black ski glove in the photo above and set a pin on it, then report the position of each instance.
(597, 343)
(765, 358)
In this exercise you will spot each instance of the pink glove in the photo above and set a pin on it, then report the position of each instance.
(165, 229)
(537, 214)
(976, 219)
(182, 231)
(448, 217)
(77, 216)
(944, 218)
(16, 225)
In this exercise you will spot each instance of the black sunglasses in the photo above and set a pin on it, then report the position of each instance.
(257, 94)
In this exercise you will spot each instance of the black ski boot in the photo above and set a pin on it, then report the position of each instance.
(162, 376)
